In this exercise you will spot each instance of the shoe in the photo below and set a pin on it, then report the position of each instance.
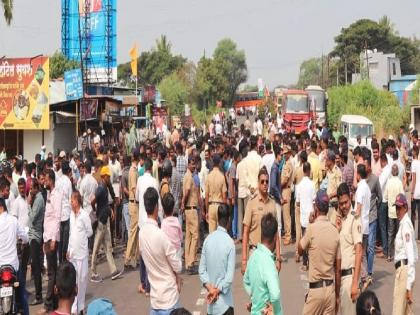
(117, 274)
(380, 255)
(367, 283)
(297, 258)
(36, 302)
(192, 271)
(95, 278)
(303, 268)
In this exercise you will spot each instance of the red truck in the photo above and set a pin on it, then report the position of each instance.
(296, 111)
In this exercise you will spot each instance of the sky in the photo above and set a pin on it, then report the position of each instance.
(275, 35)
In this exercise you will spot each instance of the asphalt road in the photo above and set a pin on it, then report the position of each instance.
(123, 292)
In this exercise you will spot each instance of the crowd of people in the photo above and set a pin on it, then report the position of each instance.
(181, 202)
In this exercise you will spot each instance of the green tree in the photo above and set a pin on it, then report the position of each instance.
(153, 65)
(7, 10)
(250, 88)
(230, 63)
(59, 64)
(175, 92)
(310, 73)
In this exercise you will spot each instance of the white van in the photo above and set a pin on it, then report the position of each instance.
(352, 126)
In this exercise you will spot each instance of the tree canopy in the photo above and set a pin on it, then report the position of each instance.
(153, 65)
(59, 64)
(7, 10)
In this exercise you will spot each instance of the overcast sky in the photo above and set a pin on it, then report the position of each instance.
(277, 35)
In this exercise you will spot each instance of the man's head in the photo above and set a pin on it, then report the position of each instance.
(65, 167)
(263, 182)
(65, 284)
(49, 179)
(278, 153)
(361, 172)
(105, 174)
(22, 187)
(3, 207)
(375, 151)
(168, 203)
(401, 206)
(253, 142)
(384, 160)
(223, 215)
(34, 187)
(151, 198)
(191, 163)
(306, 169)
(148, 164)
(330, 162)
(344, 200)
(269, 229)
(322, 202)
(394, 170)
(76, 200)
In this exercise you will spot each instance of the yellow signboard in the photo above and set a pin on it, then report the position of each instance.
(24, 93)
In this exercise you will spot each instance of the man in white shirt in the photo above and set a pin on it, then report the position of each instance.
(78, 251)
(415, 188)
(362, 199)
(305, 198)
(10, 232)
(162, 262)
(64, 187)
(259, 127)
(252, 166)
(88, 187)
(20, 211)
(268, 158)
(144, 182)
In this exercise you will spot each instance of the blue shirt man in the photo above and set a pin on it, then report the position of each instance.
(217, 266)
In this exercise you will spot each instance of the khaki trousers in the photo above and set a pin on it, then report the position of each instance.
(287, 220)
(191, 237)
(347, 307)
(213, 217)
(298, 227)
(400, 306)
(278, 214)
(320, 301)
(103, 237)
(132, 252)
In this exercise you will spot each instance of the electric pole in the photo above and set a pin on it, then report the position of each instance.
(367, 60)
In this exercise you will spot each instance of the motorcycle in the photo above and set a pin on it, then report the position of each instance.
(8, 290)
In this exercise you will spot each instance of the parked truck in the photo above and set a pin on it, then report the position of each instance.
(318, 101)
(295, 110)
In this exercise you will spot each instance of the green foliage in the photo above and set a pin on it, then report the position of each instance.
(153, 65)
(310, 73)
(414, 95)
(59, 64)
(177, 88)
(250, 88)
(219, 77)
(380, 35)
(7, 10)
(381, 107)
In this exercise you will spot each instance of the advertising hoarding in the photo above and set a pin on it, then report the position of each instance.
(24, 93)
(73, 81)
(88, 109)
(101, 33)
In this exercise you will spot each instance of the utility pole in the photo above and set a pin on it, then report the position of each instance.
(345, 70)
(367, 60)
(328, 70)
(322, 70)
(337, 76)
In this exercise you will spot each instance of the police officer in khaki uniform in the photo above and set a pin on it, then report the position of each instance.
(216, 192)
(350, 228)
(132, 252)
(322, 242)
(260, 204)
(406, 256)
(334, 179)
(286, 185)
(189, 205)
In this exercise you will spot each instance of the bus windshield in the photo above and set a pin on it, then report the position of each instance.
(296, 103)
(360, 130)
(318, 97)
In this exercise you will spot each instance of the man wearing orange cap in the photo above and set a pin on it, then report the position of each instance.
(103, 212)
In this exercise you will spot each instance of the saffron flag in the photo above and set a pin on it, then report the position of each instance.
(134, 55)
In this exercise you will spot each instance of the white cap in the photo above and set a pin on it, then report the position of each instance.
(411, 127)
(43, 147)
(390, 137)
(88, 131)
(84, 134)
(62, 154)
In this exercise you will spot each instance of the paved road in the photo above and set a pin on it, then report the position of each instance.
(123, 292)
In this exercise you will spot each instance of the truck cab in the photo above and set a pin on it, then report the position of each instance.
(352, 126)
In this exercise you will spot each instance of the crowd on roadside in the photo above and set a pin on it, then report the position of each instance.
(182, 200)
